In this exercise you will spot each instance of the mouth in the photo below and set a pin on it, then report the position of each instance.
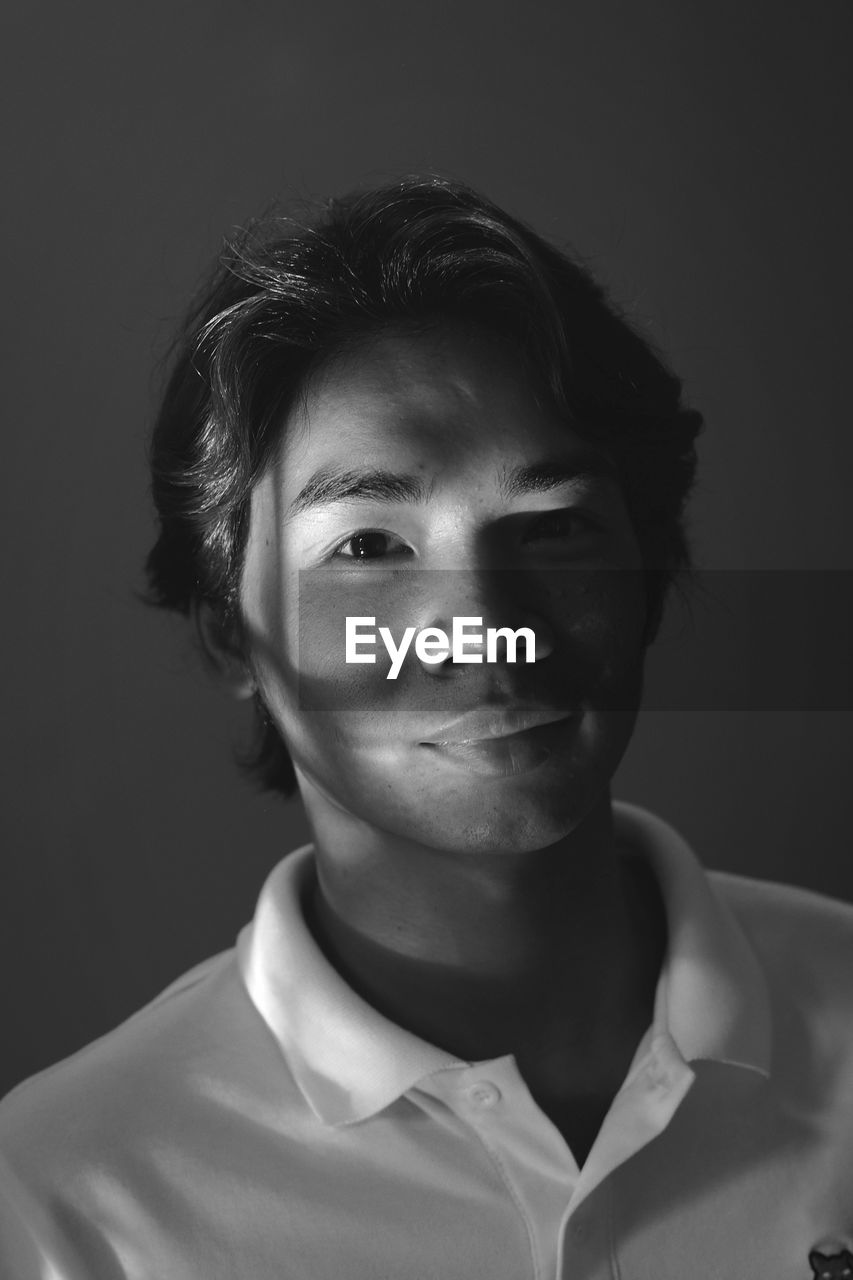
(495, 722)
(503, 751)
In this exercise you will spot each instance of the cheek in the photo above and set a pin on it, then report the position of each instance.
(338, 716)
(326, 683)
(599, 617)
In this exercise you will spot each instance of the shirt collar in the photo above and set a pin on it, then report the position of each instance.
(348, 1059)
(711, 998)
(350, 1062)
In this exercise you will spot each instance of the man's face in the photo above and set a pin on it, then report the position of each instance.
(503, 513)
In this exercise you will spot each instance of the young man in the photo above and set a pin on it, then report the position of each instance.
(489, 1023)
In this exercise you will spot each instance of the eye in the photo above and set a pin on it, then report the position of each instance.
(371, 544)
(571, 523)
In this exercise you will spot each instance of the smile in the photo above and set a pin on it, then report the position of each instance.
(506, 754)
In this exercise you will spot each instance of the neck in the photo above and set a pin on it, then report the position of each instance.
(551, 955)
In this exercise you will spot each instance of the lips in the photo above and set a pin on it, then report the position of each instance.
(495, 721)
(501, 748)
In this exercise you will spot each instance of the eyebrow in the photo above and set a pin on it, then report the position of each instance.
(328, 484)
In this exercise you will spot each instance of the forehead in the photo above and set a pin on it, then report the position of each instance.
(446, 400)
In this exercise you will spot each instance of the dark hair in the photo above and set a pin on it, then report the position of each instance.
(288, 294)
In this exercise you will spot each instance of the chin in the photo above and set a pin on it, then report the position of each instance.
(507, 819)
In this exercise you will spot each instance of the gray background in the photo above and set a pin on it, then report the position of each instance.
(697, 154)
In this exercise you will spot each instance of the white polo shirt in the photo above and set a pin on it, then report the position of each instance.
(260, 1121)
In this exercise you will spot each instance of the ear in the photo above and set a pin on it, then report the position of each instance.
(226, 662)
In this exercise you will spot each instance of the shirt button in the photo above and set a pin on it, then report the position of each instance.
(484, 1095)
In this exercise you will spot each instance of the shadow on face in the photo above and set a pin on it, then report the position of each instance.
(421, 479)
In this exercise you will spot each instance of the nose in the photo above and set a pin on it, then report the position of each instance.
(491, 617)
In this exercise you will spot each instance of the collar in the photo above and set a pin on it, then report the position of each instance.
(712, 997)
(351, 1062)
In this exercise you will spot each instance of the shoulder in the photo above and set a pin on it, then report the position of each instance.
(138, 1076)
(803, 942)
(127, 1146)
(794, 930)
